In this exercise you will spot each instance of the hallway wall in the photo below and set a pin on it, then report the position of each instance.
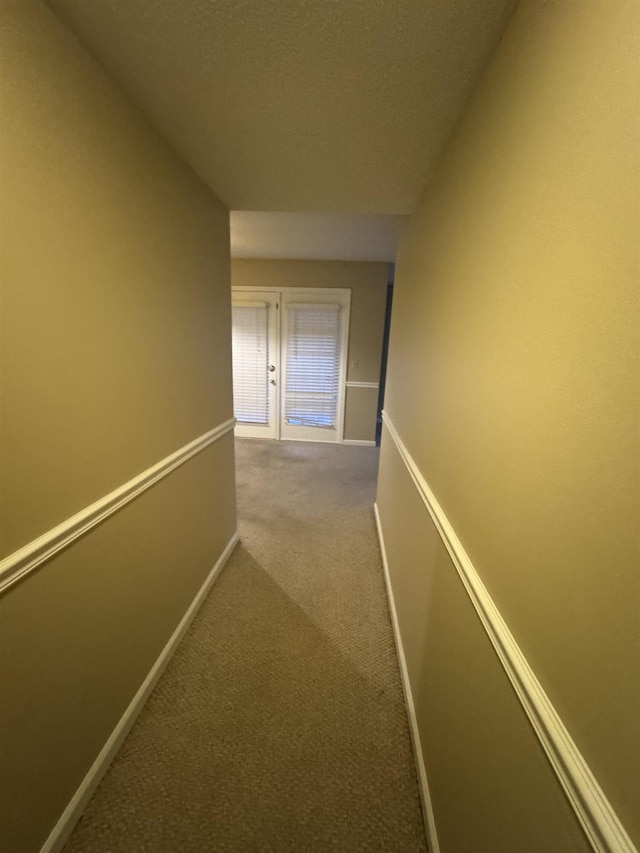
(368, 284)
(513, 386)
(115, 353)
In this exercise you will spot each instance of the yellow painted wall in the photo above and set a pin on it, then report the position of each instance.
(368, 284)
(513, 381)
(360, 413)
(115, 352)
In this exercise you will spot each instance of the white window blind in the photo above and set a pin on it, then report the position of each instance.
(313, 365)
(251, 362)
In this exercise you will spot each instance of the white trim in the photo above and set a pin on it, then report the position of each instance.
(312, 291)
(599, 821)
(425, 797)
(351, 384)
(14, 567)
(63, 828)
(359, 441)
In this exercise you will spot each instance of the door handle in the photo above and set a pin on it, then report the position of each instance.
(273, 381)
(272, 367)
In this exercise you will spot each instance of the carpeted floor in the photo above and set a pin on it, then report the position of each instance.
(279, 725)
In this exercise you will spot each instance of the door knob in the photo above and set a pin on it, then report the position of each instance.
(272, 367)
(273, 381)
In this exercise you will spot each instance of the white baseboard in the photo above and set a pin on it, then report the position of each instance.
(597, 816)
(358, 441)
(63, 828)
(425, 797)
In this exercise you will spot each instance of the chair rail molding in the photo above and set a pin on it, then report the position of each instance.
(17, 565)
(353, 384)
(594, 811)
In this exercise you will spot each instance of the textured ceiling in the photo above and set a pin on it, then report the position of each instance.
(315, 236)
(298, 105)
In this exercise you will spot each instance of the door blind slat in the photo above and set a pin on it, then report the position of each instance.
(250, 362)
(313, 365)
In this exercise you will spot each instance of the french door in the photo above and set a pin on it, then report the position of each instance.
(289, 362)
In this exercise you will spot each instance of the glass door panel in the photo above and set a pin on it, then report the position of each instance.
(313, 343)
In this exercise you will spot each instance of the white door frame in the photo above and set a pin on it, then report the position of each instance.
(341, 295)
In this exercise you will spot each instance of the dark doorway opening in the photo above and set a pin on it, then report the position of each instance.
(385, 351)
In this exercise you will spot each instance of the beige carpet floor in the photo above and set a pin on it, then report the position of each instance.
(279, 724)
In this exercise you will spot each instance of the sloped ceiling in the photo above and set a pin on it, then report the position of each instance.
(334, 106)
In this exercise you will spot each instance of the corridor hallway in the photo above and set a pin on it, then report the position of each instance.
(279, 724)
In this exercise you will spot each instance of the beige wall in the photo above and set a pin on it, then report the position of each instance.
(360, 413)
(115, 352)
(513, 381)
(368, 285)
